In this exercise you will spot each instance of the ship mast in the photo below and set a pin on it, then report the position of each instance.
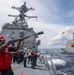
(22, 16)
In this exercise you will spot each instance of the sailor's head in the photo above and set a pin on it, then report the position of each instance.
(2, 40)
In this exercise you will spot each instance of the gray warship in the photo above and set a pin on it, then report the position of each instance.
(19, 28)
(69, 46)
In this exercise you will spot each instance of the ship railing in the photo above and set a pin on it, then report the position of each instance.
(51, 67)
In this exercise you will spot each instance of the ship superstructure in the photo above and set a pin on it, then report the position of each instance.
(19, 28)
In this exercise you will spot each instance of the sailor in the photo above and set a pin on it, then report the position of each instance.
(5, 56)
(25, 57)
(29, 56)
(36, 58)
(33, 57)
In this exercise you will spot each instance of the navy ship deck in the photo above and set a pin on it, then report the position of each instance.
(20, 70)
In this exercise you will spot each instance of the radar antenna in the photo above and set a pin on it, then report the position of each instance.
(22, 17)
(23, 8)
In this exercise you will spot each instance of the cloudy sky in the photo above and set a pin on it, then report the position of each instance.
(55, 18)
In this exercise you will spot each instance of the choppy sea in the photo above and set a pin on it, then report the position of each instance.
(69, 58)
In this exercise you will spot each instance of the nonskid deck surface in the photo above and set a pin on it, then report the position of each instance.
(20, 70)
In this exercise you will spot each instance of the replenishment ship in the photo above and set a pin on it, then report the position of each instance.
(69, 46)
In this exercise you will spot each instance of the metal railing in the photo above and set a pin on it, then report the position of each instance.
(51, 67)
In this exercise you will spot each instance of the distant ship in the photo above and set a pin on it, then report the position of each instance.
(69, 46)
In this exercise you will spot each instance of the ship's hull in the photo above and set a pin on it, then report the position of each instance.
(68, 50)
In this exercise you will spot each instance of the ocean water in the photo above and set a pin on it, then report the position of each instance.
(69, 58)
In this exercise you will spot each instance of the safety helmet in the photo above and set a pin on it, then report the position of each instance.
(2, 38)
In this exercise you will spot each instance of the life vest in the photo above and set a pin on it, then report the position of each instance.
(33, 53)
(5, 58)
